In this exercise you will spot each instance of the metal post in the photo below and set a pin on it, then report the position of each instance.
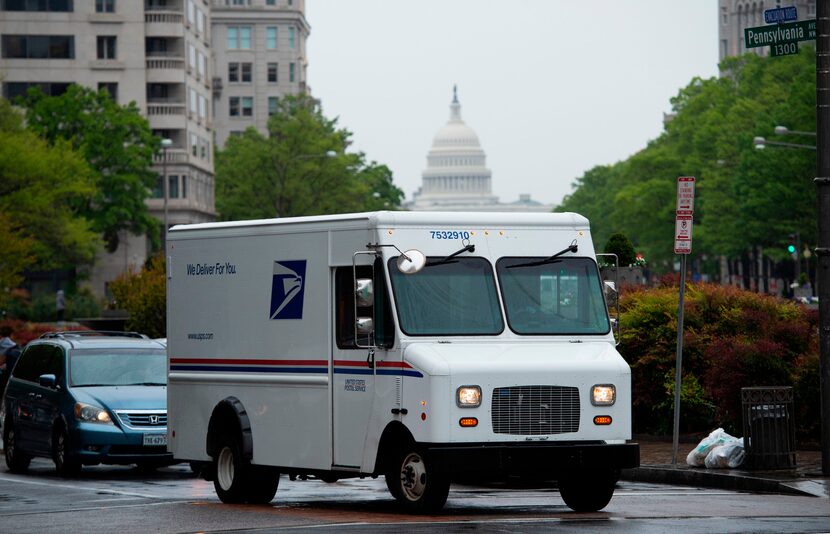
(823, 192)
(166, 191)
(679, 360)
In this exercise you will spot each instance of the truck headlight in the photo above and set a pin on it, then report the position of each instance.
(468, 396)
(603, 395)
(91, 414)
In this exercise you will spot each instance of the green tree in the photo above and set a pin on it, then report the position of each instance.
(300, 168)
(143, 294)
(620, 245)
(117, 143)
(41, 188)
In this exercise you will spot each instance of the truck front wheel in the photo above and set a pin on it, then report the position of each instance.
(588, 492)
(414, 484)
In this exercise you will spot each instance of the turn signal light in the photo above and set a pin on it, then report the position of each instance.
(468, 421)
(602, 420)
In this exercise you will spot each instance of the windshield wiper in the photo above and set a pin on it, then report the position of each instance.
(573, 247)
(467, 248)
(146, 384)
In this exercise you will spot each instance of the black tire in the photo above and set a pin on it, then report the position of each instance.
(589, 491)
(16, 461)
(66, 464)
(235, 480)
(414, 484)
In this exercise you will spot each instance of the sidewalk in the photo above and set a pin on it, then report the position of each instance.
(656, 466)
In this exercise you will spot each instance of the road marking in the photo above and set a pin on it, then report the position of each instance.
(89, 509)
(69, 486)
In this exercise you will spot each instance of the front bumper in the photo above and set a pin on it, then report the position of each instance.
(96, 444)
(531, 459)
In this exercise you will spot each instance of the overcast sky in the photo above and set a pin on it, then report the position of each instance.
(551, 87)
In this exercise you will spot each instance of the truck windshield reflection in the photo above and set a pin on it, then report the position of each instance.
(448, 297)
(563, 296)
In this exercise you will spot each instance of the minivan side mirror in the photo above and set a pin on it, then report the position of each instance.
(48, 381)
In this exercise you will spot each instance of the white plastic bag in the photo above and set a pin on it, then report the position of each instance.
(729, 455)
(697, 456)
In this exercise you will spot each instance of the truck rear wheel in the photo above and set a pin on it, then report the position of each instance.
(588, 492)
(236, 482)
(414, 484)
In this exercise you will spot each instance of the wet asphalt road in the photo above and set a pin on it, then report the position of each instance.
(125, 500)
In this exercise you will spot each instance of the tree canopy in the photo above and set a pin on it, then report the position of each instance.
(41, 187)
(745, 197)
(300, 168)
(117, 143)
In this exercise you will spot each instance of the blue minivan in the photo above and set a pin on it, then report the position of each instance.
(84, 398)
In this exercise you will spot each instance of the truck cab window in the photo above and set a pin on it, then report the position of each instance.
(344, 307)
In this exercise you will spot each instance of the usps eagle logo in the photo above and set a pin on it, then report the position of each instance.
(288, 289)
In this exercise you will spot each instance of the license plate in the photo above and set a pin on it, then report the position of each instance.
(155, 440)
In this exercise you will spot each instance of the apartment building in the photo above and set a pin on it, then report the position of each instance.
(155, 53)
(259, 55)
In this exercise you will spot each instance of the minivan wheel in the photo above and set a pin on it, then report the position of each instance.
(16, 461)
(65, 462)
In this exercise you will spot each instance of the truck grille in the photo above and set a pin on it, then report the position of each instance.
(532, 410)
(143, 419)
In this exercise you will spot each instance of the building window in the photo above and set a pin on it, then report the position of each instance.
(239, 37)
(106, 47)
(271, 2)
(246, 73)
(191, 55)
(292, 68)
(202, 107)
(272, 73)
(173, 186)
(111, 88)
(38, 46)
(12, 90)
(236, 133)
(202, 68)
(36, 5)
(247, 106)
(233, 72)
(194, 144)
(184, 186)
(724, 15)
(200, 21)
(273, 105)
(271, 37)
(233, 108)
(239, 72)
(158, 190)
(191, 11)
(105, 6)
(291, 38)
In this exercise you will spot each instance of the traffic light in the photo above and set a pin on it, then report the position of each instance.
(792, 247)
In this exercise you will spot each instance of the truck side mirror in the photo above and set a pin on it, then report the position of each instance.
(48, 381)
(364, 325)
(364, 292)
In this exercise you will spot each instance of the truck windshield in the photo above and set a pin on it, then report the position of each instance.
(448, 297)
(563, 296)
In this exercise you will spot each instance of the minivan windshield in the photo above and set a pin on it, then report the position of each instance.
(118, 367)
(560, 296)
(448, 297)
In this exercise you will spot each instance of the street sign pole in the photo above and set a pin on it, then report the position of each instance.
(823, 192)
(679, 361)
(684, 219)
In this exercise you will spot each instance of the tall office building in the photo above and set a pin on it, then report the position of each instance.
(734, 16)
(155, 53)
(259, 52)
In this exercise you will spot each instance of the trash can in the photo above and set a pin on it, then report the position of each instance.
(769, 427)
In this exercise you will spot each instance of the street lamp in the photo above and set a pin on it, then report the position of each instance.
(760, 143)
(165, 144)
(783, 130)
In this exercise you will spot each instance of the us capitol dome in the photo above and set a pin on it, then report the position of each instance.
(457, 177)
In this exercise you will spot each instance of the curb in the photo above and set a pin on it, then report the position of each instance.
(722, 479)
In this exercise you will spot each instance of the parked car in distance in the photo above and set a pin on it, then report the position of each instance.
(85, 398)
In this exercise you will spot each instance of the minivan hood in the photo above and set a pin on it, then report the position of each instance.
(123, 397)
(445, 359)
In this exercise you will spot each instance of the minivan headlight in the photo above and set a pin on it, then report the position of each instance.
(603, 395)
(91, 414)
(468, 396)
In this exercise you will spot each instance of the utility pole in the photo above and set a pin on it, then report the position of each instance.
(823, 192)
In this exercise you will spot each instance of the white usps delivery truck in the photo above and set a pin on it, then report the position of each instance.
(423, 347)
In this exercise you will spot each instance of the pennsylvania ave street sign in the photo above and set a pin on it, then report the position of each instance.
(804, 30)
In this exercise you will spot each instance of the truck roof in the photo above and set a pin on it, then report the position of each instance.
(410, 218)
